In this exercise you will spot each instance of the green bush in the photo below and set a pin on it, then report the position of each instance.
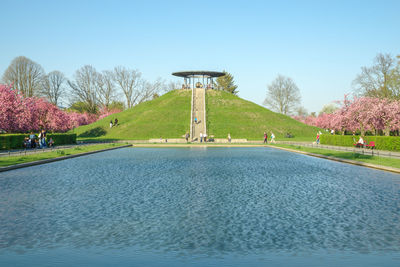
(13, 141)
(391, 143)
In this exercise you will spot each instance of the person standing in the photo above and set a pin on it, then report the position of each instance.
(187, 137)
(32, 138)
(205, 137)
(116, 122)
(111, 124)
(229, 137)
(265, 138)
(317, 141)
(201, 138)
(272, 138)
(44, 138)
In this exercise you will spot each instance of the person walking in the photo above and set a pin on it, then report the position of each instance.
(229, 137)
(272, 138)
(116, 122)
(111, 124)
(205, 137)
(201, 138)
(187, 137)
(265, 138)
(317, 141)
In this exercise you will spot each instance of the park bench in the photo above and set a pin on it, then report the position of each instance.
(370, 145)
(366, 145)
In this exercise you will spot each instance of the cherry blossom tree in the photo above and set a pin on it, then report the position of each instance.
(24, 114)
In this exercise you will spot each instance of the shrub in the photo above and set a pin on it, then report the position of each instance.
(13, 141)
(391, 143)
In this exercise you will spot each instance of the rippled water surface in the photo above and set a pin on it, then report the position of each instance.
(199, 207)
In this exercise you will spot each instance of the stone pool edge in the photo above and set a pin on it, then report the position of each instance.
(44, 161)
(349, 161)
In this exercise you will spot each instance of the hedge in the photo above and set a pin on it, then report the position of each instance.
(391, 143)
(13, 141)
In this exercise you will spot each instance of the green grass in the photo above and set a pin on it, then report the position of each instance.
(12, 160)
(383, 161)
(227, 113)
(167, 116)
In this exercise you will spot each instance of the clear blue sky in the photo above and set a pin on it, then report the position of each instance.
(320, 44)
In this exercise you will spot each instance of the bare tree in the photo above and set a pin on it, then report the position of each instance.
(150, 89)
(283, 95)
(106, 88)
(25, 75)
(53, 86)
(130, 82)
(378, 80)
(85, 87)
(173, 85)
(301, 112)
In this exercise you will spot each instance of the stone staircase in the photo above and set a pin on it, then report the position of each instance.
(199, 112)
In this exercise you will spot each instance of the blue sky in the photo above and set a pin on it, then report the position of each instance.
(321, 45)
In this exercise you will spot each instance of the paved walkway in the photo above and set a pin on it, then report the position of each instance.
(363, 151)
(199, 113)
(21, 152)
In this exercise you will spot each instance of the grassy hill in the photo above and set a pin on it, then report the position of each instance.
(166, 116)
(227, 113)
(169, 117)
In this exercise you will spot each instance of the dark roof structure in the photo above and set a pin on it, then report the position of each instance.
(188, 74)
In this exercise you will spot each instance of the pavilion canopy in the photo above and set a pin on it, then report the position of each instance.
(189, 74)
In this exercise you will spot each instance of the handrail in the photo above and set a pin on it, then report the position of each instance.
(204, 110)
(191, 115)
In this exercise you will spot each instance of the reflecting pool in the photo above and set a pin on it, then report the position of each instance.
(199, 207)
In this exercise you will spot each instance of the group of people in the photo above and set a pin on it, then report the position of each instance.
(266, 138)
(39, 141)
(203, 137)
(113, 124)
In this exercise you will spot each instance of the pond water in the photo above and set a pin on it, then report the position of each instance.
(199, 207)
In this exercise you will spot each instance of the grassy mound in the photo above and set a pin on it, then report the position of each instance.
(169, 117)
(166, 116)
(227, 113)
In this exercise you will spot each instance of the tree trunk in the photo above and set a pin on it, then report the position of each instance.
(387, 131)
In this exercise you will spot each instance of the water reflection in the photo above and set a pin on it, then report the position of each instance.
(200, 202)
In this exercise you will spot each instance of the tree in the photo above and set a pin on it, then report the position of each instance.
(328, 109)
(301, 112)
(25, 75)
(173, 85)
(22, 114)
(106, 88)
(129, 81)
(150, 89)
(53, 86)
(381, 80)
(283, 95)
(85, 87)
(226, 83)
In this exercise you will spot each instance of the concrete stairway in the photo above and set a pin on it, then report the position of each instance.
(198, 111)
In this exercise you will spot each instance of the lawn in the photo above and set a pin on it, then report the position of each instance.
(167, 116)
(383, 161)
(12, 160)
(227, 113)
